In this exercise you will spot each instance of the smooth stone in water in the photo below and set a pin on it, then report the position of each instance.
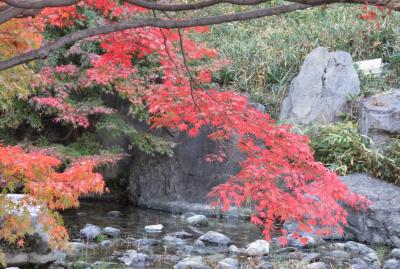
(317, 265)
(265, 265)
(76, 248)
(228, 263)
(215, 238)
(233, 250)
(258, 248)
(111, 232)
(106, 243)
(392, 264)
(114, 214)
(197, 220)
(194, 262)
(90, 232)
(357, 248)
(134, 258)
(154, 228)
(311, 257)
(181, 234)
(198, 243)
(357, 263)
(170, 240)
(395, 253)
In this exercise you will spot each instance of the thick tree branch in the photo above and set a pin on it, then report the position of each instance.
(191, 6)
(44, 51)
(10, 13)
(39, 4)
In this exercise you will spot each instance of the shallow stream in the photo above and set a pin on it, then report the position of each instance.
(132, 222)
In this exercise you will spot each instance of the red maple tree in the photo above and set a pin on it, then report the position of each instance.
(279, 176)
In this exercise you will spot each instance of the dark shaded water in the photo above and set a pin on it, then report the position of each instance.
(133, 221)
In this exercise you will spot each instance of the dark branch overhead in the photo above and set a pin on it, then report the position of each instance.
(38, 4)
(19, 8)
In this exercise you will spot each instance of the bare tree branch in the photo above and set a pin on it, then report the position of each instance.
(39, 4)
(191, 6)
(44, 51)
(10, 13)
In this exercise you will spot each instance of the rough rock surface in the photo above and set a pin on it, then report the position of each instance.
(168, 183)
(320, 91)
(196, 262)
(90, 232)
(258, 248)
(380, 116)
(380, 223)
(215, 238)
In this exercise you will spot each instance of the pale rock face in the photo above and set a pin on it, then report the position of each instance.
(154, 228)
(258, 248)
(380, 116)
(320, 91)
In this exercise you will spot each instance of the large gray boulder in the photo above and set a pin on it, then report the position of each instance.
(179, 182)
(380, 223)
(380, 116)
(320, 91)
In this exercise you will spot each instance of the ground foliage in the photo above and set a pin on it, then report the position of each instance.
(344, 150)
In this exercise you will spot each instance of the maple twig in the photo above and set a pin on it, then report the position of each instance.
(189, 73)
(165, 41)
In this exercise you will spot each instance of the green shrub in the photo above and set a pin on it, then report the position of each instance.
(344, 150)
(115, 127)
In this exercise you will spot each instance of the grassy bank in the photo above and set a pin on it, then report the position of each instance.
(266, 53)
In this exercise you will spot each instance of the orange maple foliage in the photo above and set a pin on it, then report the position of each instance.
(45, 187)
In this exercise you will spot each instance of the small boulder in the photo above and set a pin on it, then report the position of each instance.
(90, 232)
(311, 257)
(106, 243)
(395, 253)
(392, 264)
(173, 241)
(215, 238)
(197, 220)
(233, 250)
(357, 249)
(258, 248)
(228, 263)
(134, 258)
(317, 265)
(154, 228)
(111, 232)
(380, 116)
(198, 243)
(114, 214)
(357, 263)
(194, 262)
